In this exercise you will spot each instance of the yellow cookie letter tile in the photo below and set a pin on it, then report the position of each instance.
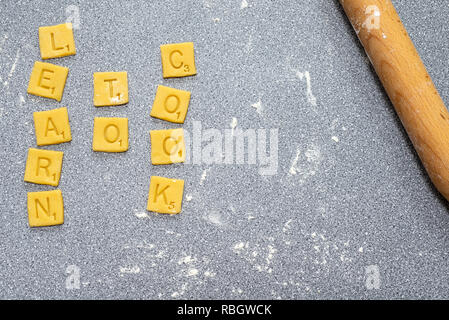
(110, 88)
(178, 60)
(170, 104)
(43, 166)
(47, 80)
(167, 146)
(52, 127)
(110, 134)
(165, 195)
(56, 41)
(45, 208)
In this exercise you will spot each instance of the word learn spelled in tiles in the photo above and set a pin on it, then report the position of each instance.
(167, 146)
(45, 208)
(165, 195)
(56, 41)
(170, 104)
(52, 127)
(43, 166)
(110, 88)
(110, 134)
(47, 80)
(178, 60)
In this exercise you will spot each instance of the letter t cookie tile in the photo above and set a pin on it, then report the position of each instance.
(110, 88)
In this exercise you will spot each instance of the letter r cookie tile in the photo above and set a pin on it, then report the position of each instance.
(52, 126)
(165, 195)
(56, 41)
(43, 166)
(47, 80)
(178, 60)
(45, 208)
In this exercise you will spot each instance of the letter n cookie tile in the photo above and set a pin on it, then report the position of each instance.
(110, 88)
(178, 60)
(167, 146)
(43, 166)
(52, 127)
(165, 195)
(47, 80)
(45, 208)
(170, 104)
(110, 134)
(56, 41)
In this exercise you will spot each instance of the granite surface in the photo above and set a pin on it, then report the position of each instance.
(347, 212)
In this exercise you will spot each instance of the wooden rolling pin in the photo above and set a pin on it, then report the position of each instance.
(405, 78)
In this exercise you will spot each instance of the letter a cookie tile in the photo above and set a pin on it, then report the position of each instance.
(52, 127)
(165, 195)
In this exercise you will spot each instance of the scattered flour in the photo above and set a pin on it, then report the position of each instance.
(257, 106)
(130, 270)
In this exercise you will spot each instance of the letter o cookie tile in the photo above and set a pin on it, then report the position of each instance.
(170, 104)
(110, 135)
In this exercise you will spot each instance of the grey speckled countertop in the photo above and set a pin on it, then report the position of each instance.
(350, 212)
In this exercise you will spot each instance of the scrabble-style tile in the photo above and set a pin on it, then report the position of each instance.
(47, 80)
(165, 195)
(45, 208)
(170, 104)
(110, 134)
(110, 88)
(43, 166)
(178, 60)
(52, 126)
(167, 146)
(56, 41)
